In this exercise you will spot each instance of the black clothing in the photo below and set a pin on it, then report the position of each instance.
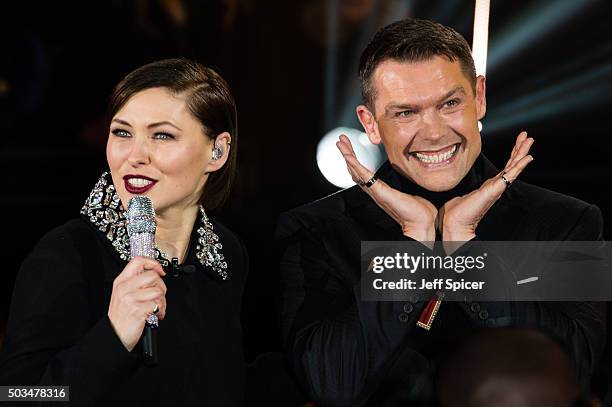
(59, 334)
(347, 352)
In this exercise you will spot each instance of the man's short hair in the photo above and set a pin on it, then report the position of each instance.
(412, 40)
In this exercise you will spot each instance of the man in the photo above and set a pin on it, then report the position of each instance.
(509, 367)
(422, 101)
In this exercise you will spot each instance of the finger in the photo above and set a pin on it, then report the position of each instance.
(345, 146)
(344, 139)
(162, 305)
(354, 168)
(147, 295)
(358, 172)
(513, 173)
(138, 265)
(152, 264)
(149, 307)
(521, 152)
(346, 149)
(524, 149)
(519, 140)
(144, 309)
(145, 279)
(157, 282)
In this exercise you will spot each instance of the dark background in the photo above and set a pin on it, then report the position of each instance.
(293, 82)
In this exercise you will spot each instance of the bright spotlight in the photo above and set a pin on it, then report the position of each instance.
(481, 36)
(332, 164)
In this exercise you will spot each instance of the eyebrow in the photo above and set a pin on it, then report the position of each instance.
(404, 106)
(157, 124)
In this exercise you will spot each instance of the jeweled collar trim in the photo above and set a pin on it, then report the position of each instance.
(104, 210)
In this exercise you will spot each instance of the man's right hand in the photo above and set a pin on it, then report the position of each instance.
(135, 292)
(414, 214)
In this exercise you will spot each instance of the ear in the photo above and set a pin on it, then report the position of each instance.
(222, 141)
(368, 121)
(481, 99)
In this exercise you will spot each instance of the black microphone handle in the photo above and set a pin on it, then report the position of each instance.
(148, 342)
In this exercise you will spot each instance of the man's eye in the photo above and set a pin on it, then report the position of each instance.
(405, 113)
(120, 133)
(452, 103)
(163, 136)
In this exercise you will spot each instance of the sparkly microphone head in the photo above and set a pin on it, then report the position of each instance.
(141, 225)
(140, 216)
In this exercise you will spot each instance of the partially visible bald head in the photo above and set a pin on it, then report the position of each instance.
(508, 367)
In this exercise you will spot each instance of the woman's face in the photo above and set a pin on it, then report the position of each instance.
(158, 149)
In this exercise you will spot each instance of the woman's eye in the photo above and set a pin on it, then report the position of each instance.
(163, 136)
(120, 133)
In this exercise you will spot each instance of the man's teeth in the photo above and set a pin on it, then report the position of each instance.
(139, 182)
(436, 158)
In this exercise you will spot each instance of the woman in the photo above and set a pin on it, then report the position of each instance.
(80, 304)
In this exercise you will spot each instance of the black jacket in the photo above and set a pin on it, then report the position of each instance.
(346, 352)
(59, 334)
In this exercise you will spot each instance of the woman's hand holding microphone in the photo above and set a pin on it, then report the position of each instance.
(137, 292)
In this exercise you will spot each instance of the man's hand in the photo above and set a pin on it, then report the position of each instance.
(459, 217)
(415, 215)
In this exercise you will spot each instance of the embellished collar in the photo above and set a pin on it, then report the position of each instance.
(104, 210)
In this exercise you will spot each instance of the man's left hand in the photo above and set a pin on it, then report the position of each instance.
(459, 217)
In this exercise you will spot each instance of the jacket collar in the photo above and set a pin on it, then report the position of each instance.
(105, 212)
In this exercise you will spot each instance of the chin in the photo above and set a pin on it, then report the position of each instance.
(438, 186)
(440, 182)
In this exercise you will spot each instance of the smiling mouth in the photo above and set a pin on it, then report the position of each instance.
(139, 182)
(436, 157)
(138, 185)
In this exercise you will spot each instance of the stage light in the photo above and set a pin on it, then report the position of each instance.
(481, 36)
(332, 164)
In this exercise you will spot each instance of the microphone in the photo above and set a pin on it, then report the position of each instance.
(141, 225)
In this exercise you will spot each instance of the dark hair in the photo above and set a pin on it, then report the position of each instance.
(412, 40)
(209, 100)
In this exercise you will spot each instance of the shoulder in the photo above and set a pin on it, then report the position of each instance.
(541, 199)
(57, 258)
(556, 211)
(315, 215)
(63, 240)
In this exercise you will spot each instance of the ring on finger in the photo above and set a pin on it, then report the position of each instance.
(506, 180)
(370, 182)
(152, 318)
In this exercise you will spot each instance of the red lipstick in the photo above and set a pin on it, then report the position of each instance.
(138, 190)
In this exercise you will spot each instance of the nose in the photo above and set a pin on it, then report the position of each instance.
(432, 126)
(139, 152)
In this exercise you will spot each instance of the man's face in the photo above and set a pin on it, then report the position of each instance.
(426, 115)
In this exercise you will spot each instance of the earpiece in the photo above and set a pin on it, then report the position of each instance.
(217, 153)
